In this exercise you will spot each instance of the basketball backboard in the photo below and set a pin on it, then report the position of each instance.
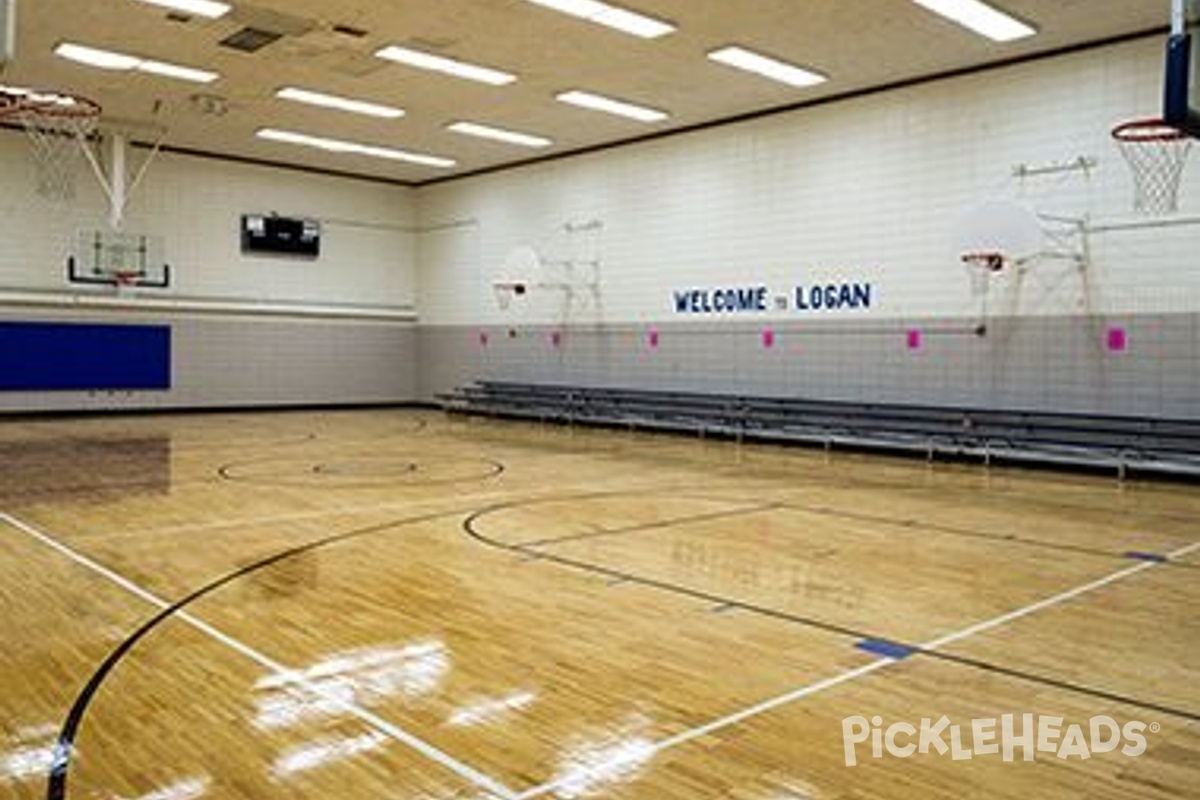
(112, 258)
(1002, 228)
(1181, 100)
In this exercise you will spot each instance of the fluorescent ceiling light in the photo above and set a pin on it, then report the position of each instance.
(766, 66)
(353, 148)
(611, 16)
(176, 71)
(598, 102)
(981, 18)
(92, 57)
(459, 69)
(499, 134)
(338, 103)
(105, 59)
(204, 8)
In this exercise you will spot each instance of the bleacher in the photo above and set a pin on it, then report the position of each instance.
(1125, 445)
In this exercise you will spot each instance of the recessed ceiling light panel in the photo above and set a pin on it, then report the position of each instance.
(981, 18)
(766, 66)
(611, 16)
(201, 8)
(338, 103)
(447, 66)
(94, 57)
(499, 134)
(122, 62)
(609, 105)
(353, 148)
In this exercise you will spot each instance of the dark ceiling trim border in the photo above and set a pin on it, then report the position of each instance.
(689, 129)
(251, 161)
(258, 162)
(806, 104)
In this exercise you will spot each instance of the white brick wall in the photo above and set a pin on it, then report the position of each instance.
(368, 258)
(368, 253)
(865, 189)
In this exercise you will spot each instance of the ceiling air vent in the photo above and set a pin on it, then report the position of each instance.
(250, 40)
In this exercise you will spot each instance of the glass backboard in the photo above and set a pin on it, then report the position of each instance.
(112, 258)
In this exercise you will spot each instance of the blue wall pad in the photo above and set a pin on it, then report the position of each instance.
(38, 356)
(882, 647)
(1157, 558)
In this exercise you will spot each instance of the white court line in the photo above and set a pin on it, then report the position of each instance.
(856, 673)
(383, 726)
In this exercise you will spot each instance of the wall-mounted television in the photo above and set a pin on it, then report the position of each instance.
(271, 234)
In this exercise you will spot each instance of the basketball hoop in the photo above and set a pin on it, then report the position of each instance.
(506, 290)
(982, 265)
(8, 102)
(990, 261)
(1156, 154)
(126, 281)
(57, 126)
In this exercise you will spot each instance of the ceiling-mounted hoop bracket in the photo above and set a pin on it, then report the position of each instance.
(112, 173)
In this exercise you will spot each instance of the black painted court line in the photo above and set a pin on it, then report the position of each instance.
(972, 533)
(469, 525)
(280, 479)
(813, 481)
(810, 481)
(183, 448)
(1058, 683)
(649, 526)
(68, 733)
(904, 524)
(186, 448)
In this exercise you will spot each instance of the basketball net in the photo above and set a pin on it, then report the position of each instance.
(57, 127)
(1156, 154)
(126, 281)
(981, 267)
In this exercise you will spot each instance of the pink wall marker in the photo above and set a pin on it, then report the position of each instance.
(483, 338)
(914, 339)
(1118, 340)
(768, 339)
(652, 339)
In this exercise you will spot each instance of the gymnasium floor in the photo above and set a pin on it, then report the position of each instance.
(406, 605)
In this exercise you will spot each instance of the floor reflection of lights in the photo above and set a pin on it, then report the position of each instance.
(589, 766)
(324, 752)
(362, 678)
(31, 755)
(187, 789)
(487, 711)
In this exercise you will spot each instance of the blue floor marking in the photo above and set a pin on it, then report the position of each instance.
(1156, 558)
(882, 647)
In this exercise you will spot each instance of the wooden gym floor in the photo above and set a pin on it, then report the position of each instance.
(400, 604)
